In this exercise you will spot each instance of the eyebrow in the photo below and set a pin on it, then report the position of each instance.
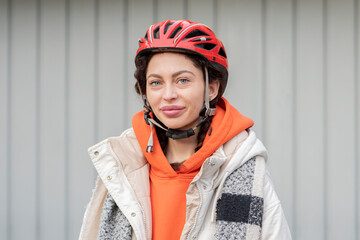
(174, 74)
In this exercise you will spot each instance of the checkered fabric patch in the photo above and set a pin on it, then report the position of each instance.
(237, 208)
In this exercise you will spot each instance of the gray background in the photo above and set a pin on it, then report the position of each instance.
(66, 82)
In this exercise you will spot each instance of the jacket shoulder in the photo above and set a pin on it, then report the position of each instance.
(125, 148)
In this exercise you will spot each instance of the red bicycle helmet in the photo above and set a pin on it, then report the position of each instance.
(185, 36)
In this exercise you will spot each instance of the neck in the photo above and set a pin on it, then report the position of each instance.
(178, 151)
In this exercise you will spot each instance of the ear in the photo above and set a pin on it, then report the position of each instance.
(213, 89)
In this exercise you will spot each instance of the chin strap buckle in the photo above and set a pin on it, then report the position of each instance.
(210, 112)
(176, 134)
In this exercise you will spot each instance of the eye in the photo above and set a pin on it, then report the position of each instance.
(183, 81)
(154, 83)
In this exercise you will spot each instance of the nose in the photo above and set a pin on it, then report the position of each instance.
(170, 93)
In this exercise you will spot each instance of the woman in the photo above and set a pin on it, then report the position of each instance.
(190, 167)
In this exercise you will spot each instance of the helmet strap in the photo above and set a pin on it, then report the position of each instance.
(209, 111)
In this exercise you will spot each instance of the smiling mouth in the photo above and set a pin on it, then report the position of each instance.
(172, 111)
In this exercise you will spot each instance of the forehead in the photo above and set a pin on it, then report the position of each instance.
(171, 60)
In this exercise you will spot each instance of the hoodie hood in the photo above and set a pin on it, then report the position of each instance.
(226, 123)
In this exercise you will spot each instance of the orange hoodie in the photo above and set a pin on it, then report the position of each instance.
(167, 186)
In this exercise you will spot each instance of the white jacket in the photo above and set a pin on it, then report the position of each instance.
(124, 173)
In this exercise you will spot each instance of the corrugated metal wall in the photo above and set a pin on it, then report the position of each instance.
(66, 82)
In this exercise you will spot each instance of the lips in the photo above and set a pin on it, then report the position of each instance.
(172, 110)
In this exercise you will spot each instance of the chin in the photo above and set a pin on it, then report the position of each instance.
(178, 124)
(173, 126)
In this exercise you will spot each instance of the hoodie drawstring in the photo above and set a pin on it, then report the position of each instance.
(150, 144)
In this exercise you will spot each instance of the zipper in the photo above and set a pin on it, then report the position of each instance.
(197, 213)
(144, 220)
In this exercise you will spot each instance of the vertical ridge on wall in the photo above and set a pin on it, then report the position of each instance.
(81, 109)
(126, 97)
(309, 120)
(186, 9)
(294, 115)
(52, 172)
(278, 105)
(241, 31)
(111, 61)
(215, 22)
(325, 114)
(96, 72)
(156, 12)
(67, 121)
(37, 121)
(357, 112)
(136, 28)
(9, 124)
(96, 76)
(23, 118)
(263, 71)
(340, 116)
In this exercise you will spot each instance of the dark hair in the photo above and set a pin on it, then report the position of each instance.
(141, 64)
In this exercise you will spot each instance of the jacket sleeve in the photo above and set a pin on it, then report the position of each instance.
(274, 225)
(91, 221)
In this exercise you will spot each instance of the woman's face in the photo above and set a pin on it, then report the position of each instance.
(175, 89)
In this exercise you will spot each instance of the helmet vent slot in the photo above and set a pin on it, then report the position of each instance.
(156, 32)
(207, 46)
(201, 39)
(196, 33)
(146, 37)
(167, 27)
(173, 34)
(222, 52)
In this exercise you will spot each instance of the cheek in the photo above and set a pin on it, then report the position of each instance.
(152, 98)
(197, 101)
